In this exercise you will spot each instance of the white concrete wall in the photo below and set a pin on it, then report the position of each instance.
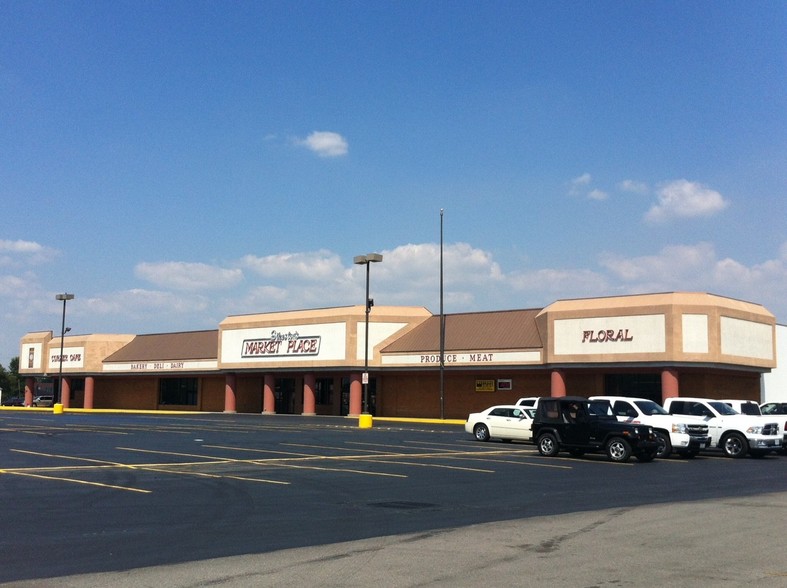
(774, 384)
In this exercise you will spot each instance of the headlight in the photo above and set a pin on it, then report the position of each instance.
(755, 430)
(680, 428)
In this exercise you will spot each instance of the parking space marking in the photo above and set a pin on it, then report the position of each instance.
(103, 464)
(75, 481)
(279, 462)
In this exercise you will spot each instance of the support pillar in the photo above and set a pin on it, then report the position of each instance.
(356, 395)
(557, 380)
(268, 397)
(229, 393)
(309, 404)
(65, 399)
(669, 383)
(90, 383)
(30, 386)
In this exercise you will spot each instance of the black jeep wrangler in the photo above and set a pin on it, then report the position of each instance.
(579, 425)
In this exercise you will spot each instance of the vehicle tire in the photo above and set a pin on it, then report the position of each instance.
(664, 449)
(481, 432)
(647, 456)
(548, 445)
(618, 450)
(735, 445)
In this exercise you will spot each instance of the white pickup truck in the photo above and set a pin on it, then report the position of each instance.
(734, 433)
(685, 436)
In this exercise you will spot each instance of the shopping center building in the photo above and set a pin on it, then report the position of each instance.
(317, 361)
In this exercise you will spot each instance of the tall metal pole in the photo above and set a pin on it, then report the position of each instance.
(65, 298)
(366, 260)
(366, 348)
(442, 326)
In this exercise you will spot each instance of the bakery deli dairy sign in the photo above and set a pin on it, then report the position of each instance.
(615, 334)
(284, 344)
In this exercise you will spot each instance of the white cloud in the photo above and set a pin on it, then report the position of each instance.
(698, 268)
(598, 195)
(15, 253)
(325, 144)
(577, 184)
(180, 275)
(307, 266)
(633, 186)
(684, 199)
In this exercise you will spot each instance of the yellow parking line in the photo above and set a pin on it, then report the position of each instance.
(324, 469)
(73, 481)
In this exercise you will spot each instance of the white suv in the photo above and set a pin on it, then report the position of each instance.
(683, 435)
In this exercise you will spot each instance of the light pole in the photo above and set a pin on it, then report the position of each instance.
(366, 260)
(65, 298)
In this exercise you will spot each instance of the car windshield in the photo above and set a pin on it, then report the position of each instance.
(649, 408)
(722, 408)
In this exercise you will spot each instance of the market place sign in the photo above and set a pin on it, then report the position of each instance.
(281, 345)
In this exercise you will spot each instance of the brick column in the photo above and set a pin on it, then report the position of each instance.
(65, 398)
(309, 382)
(268, 398)
(557, 383)
(30, 386)
(356, 395)
(229, 393)
(90, 382)
(669, 383)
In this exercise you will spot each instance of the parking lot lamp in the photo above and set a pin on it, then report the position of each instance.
(366, 260)
(65, 298)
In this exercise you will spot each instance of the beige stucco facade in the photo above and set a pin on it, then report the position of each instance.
(313, 361)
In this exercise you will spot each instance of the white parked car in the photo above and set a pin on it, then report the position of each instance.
(505, 422)
(686, 436)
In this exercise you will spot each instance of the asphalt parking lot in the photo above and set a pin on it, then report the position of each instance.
(127, 495)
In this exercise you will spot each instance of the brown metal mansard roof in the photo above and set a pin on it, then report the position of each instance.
(169, 346)
(509, 329)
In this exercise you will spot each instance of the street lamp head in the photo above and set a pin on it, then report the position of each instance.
(368, 258)
(64, 297)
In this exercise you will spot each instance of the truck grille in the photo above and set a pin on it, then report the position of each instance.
(698, 430)
(770, 429)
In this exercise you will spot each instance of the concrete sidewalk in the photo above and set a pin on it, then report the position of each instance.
(731, 542)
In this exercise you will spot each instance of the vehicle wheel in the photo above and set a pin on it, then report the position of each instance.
(647, 456)
(576, 452)
(481, 432)
(664, 449)
(735, 445)
(547, 445)
(618, 450)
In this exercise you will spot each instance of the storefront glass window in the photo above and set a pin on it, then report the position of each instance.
(180, 391)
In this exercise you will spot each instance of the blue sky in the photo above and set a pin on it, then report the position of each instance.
(173, 163)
